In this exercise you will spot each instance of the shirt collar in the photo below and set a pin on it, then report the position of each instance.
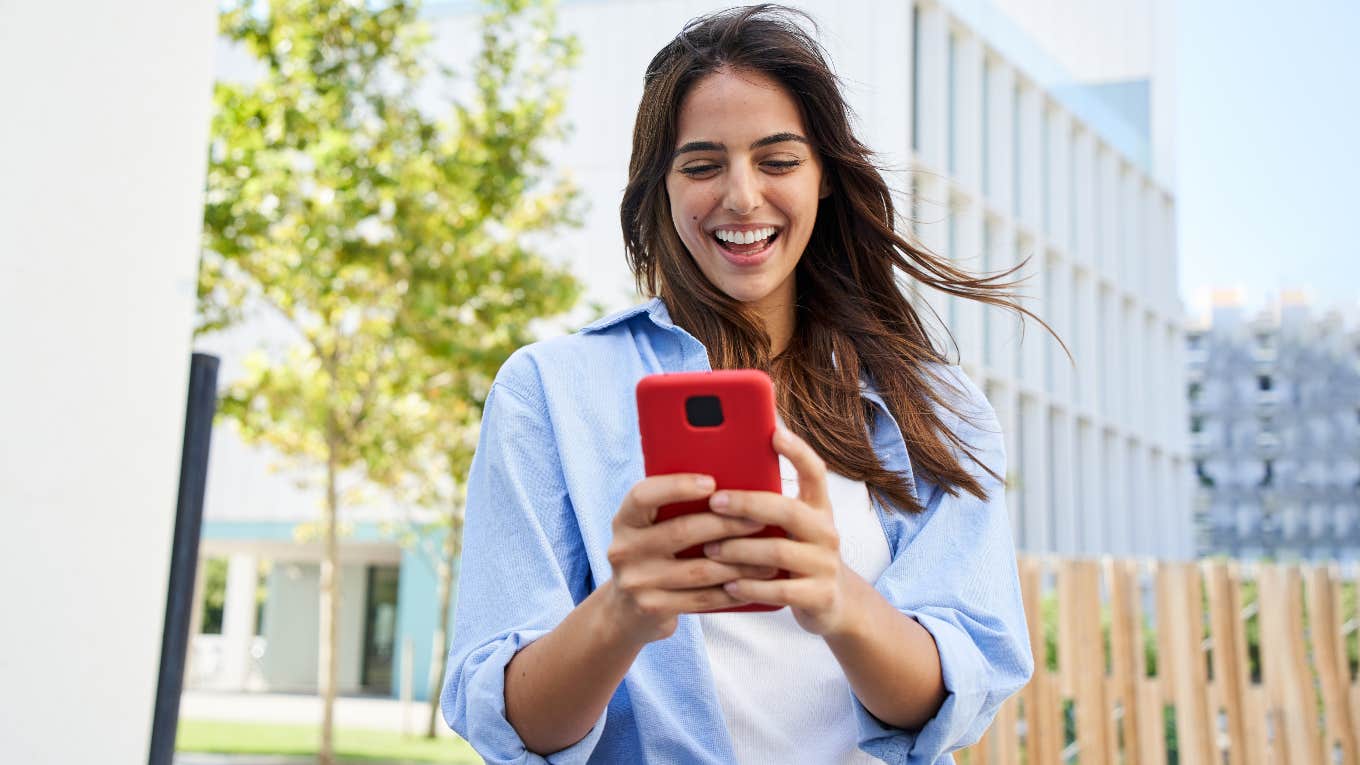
(654, 308)
(656, 311)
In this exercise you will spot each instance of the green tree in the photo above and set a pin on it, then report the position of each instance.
(512, 200)
(394, 245)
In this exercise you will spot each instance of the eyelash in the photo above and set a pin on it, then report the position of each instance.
(778, 164)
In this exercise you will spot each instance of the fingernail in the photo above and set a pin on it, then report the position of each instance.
(705, 483)
(719, 501)
(711, 549)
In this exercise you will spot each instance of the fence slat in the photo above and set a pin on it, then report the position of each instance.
(1324, 602)
(1281, 720)
(1067, 624)
(1288, 683)
(1080, 590)
(1185, 628)
(1258, 711)
(1127, 664)
(1164, 583)
(1232, 673)
(1151, 729)
(1043, 711)
(1005, 748)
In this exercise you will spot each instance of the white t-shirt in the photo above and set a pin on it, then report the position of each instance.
(783, 695)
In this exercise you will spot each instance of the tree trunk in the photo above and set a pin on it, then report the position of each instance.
(327, 654)
(439, 661)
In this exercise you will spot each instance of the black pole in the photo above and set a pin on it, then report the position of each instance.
(193, 476)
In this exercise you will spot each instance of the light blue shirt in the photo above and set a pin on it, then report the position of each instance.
(559, 449)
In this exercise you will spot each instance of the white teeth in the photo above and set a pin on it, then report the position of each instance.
(747, 237)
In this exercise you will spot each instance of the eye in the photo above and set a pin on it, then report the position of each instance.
(695, 171)
(783, 165)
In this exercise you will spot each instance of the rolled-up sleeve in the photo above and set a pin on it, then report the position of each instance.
(523, 568)
(957, 577)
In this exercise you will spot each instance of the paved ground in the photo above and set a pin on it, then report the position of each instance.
(350, 712)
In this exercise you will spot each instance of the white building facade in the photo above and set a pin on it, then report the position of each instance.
(1004, 156)
(1275, 433)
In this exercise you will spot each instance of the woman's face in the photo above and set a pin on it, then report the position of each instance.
(743, 170)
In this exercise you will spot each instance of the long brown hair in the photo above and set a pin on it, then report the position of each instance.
(851, 315)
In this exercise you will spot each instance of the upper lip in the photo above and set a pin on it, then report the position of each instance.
(743, 227)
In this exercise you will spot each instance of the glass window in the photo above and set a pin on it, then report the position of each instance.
(380, 627)
(1017, 165)
(1045, 188)
(986, 127)
(951, 135)
(1073, 244)
(916, 78)
(1074, 322)
(953, 254)
(987, 318)
(1049, 309)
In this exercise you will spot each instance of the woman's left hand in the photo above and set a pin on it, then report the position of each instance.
(819, 584)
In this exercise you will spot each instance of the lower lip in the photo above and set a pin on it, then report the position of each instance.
(751, 259)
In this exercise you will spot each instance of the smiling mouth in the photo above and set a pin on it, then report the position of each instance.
(744, 250)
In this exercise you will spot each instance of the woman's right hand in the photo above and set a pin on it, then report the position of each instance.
(651, 587)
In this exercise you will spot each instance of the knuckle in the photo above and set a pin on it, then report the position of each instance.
(736, 526)
(823, 598)
(698, 571)
(635, 498)
(779, 556)
(650, 605)
(626, 581)
(712, 599)
(677, 536)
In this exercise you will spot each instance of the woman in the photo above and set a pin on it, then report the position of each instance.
(766, 235)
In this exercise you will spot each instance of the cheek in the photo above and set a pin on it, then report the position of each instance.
(688, 211)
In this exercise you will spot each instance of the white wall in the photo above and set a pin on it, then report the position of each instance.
(104, 133)
(292, 614)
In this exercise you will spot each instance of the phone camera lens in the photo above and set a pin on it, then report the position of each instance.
(704, 411)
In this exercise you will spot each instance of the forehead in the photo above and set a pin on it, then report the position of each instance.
(731, 105)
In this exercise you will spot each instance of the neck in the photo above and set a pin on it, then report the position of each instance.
(776, 313)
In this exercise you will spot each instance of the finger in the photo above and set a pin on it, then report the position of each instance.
(797, 558)
(683, 532)
(811, 468)
(688, 601)
(640, 503)
(804, 594)
(795, 516)
(690, 574)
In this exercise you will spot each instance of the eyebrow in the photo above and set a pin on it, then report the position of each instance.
(715, 146)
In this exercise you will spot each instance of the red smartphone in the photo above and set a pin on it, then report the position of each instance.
(714, 423)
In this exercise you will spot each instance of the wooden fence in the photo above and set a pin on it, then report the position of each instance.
(1187, 663)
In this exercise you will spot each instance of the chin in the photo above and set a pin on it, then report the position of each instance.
(746, 293)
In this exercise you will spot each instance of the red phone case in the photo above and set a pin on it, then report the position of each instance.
(737, 453)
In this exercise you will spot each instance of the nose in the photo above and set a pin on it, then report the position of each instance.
(742, 194)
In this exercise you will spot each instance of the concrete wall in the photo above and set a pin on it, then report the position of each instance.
(106, 110)
(291, 616)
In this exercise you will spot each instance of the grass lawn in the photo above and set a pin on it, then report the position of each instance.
(350, 743)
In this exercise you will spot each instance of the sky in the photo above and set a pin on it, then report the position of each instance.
(1268, 137)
